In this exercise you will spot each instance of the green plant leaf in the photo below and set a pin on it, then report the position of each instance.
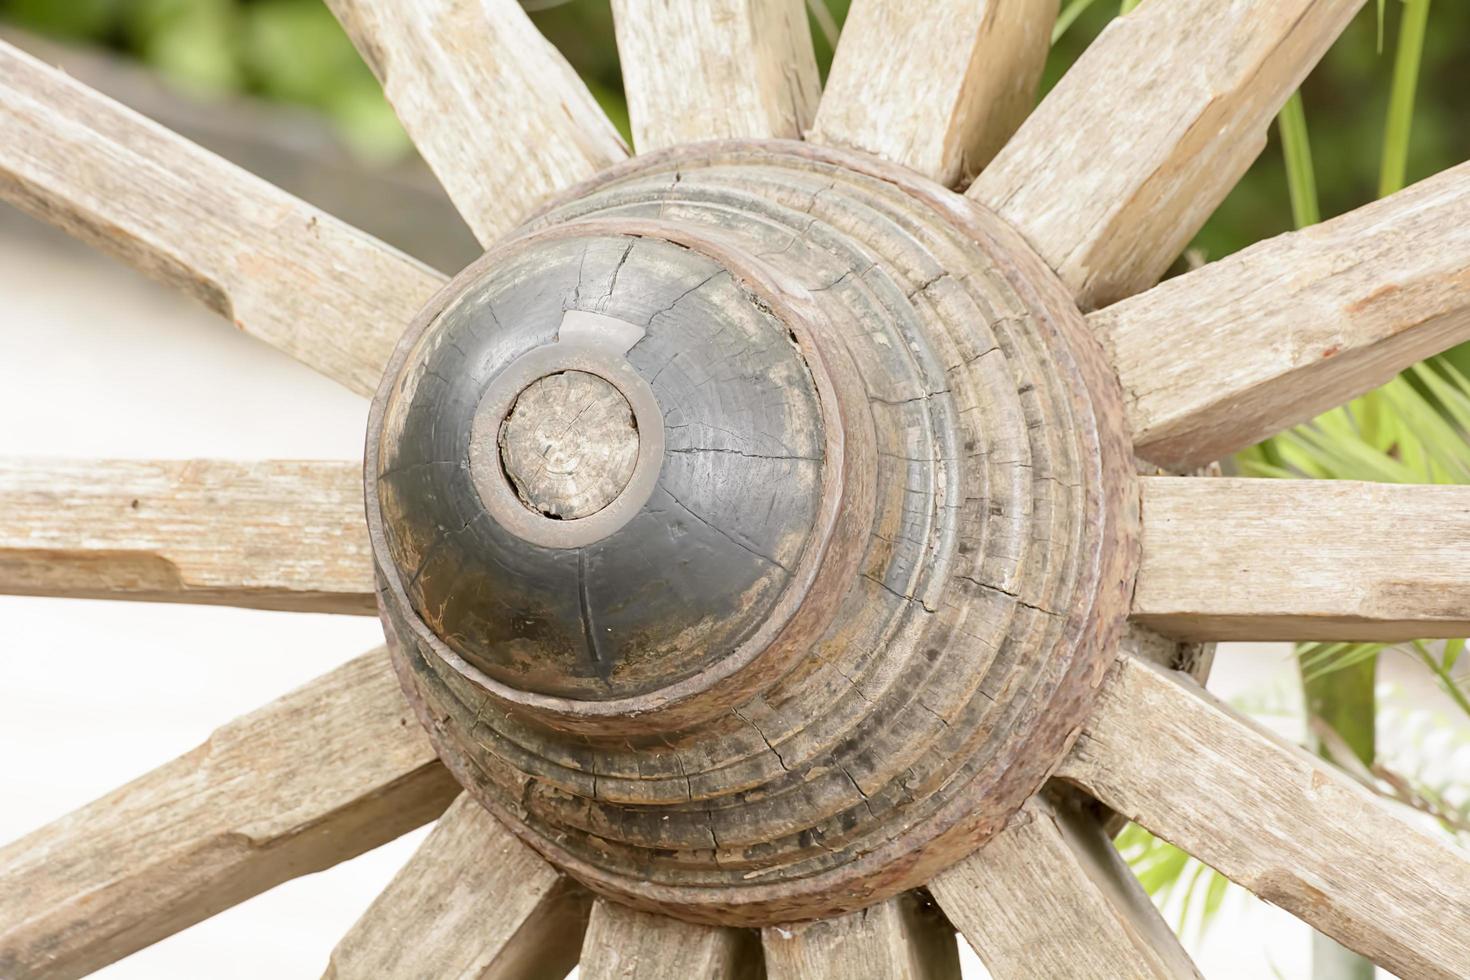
(1413, 26)
(1068, 17)
(1296, 149)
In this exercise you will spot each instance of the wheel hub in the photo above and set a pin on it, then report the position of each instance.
(752, 530)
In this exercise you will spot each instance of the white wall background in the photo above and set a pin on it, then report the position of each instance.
(96, 361)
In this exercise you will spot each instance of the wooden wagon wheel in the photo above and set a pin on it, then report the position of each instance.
(773, 542)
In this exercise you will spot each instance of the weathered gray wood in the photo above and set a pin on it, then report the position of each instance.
(900, 939)
(1051, 897)
(284, 144)
(1217, 359)
(330, 770)
(716, 69)
(1123, 161)
(1275, 819)
(302, 281)
(473, 903)
(496, 111)
(937, 86)
(1234, 559)
(624, 944)
(269, 535)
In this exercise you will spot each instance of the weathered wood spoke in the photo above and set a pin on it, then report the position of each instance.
(1222, 357)
(330, 770)
(716, 69)
(900, 939)
(1235, 559)
(1124, 160)
(323, 292)
(938, 87)
(270, 535)
(624, 944)
(496, 111)
(1276, 820)
(1051, 897)
(472, 902)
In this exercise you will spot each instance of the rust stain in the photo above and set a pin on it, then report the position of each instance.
(1379, 294)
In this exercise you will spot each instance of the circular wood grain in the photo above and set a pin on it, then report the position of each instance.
(569, 445)
(948, 506)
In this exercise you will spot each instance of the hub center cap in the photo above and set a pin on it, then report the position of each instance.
(568, 445)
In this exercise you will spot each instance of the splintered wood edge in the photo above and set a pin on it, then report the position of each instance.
(1274, 819)
(1220, 358)
(1144, 136)
(937, 87)
(1050, 896)
(323, 292)
(716, 69)
(327, 772)
(473, 901)
(266, 535)
(1258, 559)
(494, 108)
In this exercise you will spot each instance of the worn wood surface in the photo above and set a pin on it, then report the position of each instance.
(984, 578)
(1237, 559)
(900, 939)
(1124, 160)
(473, 903)
(494, 108)
(938, 86)
(270, 535)
(1277, 820)
(625, 944)
(1051, 897)
(716, 69)
(297, 278)
(569, 445)
(330, 770)
(1220, 358)
(286, 145)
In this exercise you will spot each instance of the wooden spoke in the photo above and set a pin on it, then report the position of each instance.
(1220, 358)
(271, 535)
(1276, 820)
(322, 291)
(472, 902)
(496, 111)
(1124, 160)
(900, 939)
(938, 87)
(624, 944)
(716, 69)
(1238, 559)
(1051, 897)
(330, 770)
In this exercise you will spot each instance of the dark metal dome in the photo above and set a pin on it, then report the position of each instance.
(602, 468)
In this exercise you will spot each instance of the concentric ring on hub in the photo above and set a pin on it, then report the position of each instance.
(971, 590)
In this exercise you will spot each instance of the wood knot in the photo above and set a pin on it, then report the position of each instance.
(569, 445)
